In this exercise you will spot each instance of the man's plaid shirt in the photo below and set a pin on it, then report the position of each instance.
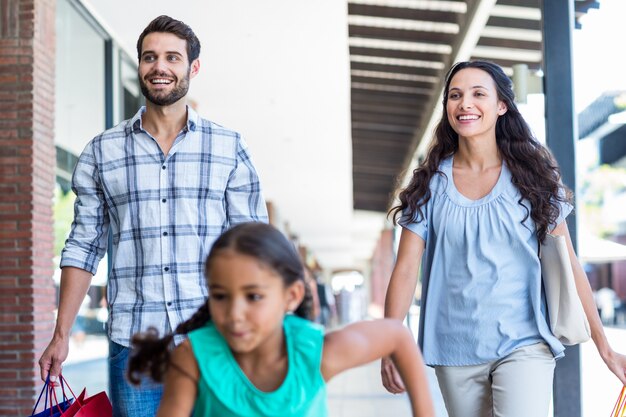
(163, 213)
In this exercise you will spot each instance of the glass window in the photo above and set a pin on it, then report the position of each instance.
(132, 98)
(80, 82)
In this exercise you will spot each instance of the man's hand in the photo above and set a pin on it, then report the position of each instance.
(52, 359)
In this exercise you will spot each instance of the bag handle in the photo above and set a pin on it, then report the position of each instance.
(619, 408)
(46, 388)
(53, 393)
(63, 380)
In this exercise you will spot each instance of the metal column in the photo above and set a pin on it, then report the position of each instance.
(561, 135)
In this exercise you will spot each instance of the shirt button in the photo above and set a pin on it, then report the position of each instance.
(169, 303)
(163, 200)
(164, 233)
(163, 167)
(167, 268)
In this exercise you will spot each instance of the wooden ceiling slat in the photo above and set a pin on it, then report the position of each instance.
(382, 128)
(372, 32)
(376, 196)
(399, 119)
(364, 170)
(360, 204)
(519, 3)
(509, 43)
(391, 81)
(509, 22)
(388, 146)
(404, 13)
(374, 179)
(396, 53)
(397, 69)
(369, 183)
(376, 187)
(368, 170)
(385, 177)
(381, 159)
(388, 96)
(508, 63)
(375, 107)
(380, 146)
(387, 136)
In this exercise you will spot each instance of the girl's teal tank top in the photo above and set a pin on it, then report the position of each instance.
(225, 391)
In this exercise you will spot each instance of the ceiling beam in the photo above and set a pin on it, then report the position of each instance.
(423, 36)
(399, 69)
(513, 23)
(510, 43)
(376, 107)
(391, 81)
(398, 119)
(397, 53)
(404, 13)
(359, 95)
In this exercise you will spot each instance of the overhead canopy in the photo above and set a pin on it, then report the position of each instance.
(399, 53)
(593, 250)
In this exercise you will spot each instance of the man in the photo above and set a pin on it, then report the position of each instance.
(164, 184)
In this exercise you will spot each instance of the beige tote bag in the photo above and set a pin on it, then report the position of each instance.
(568, 321)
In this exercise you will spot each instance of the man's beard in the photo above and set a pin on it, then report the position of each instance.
(159, 99)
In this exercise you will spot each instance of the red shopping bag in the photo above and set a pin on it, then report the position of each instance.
(55, 409)
(620, 406)
(97, 405)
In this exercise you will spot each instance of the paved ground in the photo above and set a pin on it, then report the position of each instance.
(359, 392)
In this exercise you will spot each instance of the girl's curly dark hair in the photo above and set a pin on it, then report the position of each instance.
(151, 354)
(535, 172)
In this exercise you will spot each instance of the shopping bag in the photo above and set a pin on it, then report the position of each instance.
(97, 405)
(55, 409)
(620, 406)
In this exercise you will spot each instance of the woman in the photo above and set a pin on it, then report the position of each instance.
(474, 213)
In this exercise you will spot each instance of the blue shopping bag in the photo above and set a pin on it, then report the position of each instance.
(56, 408)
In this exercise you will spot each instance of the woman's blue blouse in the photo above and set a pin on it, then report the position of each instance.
(481, 277)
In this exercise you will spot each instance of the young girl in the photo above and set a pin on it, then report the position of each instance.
(251, 350)
(472, 215)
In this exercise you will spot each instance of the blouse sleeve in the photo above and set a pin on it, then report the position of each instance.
(565, 209)
(417, 224)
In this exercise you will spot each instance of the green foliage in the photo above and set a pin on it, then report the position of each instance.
(599, 187)
(63, 210)
(620, 101)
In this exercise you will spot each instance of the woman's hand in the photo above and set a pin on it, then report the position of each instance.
(391, 377)
(616, 363)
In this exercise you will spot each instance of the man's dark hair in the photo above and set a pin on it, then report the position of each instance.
(166, 24)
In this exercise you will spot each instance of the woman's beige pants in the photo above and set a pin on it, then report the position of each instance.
(519, 385)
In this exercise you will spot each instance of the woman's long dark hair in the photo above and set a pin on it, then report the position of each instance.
(535, 172)
(151, 354)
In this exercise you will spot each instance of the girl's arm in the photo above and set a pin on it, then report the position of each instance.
(615, 361)
(400, 295)
(181, 383)
(364, 342)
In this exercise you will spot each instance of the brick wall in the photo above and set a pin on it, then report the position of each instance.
(27, 164)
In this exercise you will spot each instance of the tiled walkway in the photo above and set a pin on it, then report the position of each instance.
(354, 393)
(359, 393)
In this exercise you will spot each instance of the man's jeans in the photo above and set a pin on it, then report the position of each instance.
(130, 400)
